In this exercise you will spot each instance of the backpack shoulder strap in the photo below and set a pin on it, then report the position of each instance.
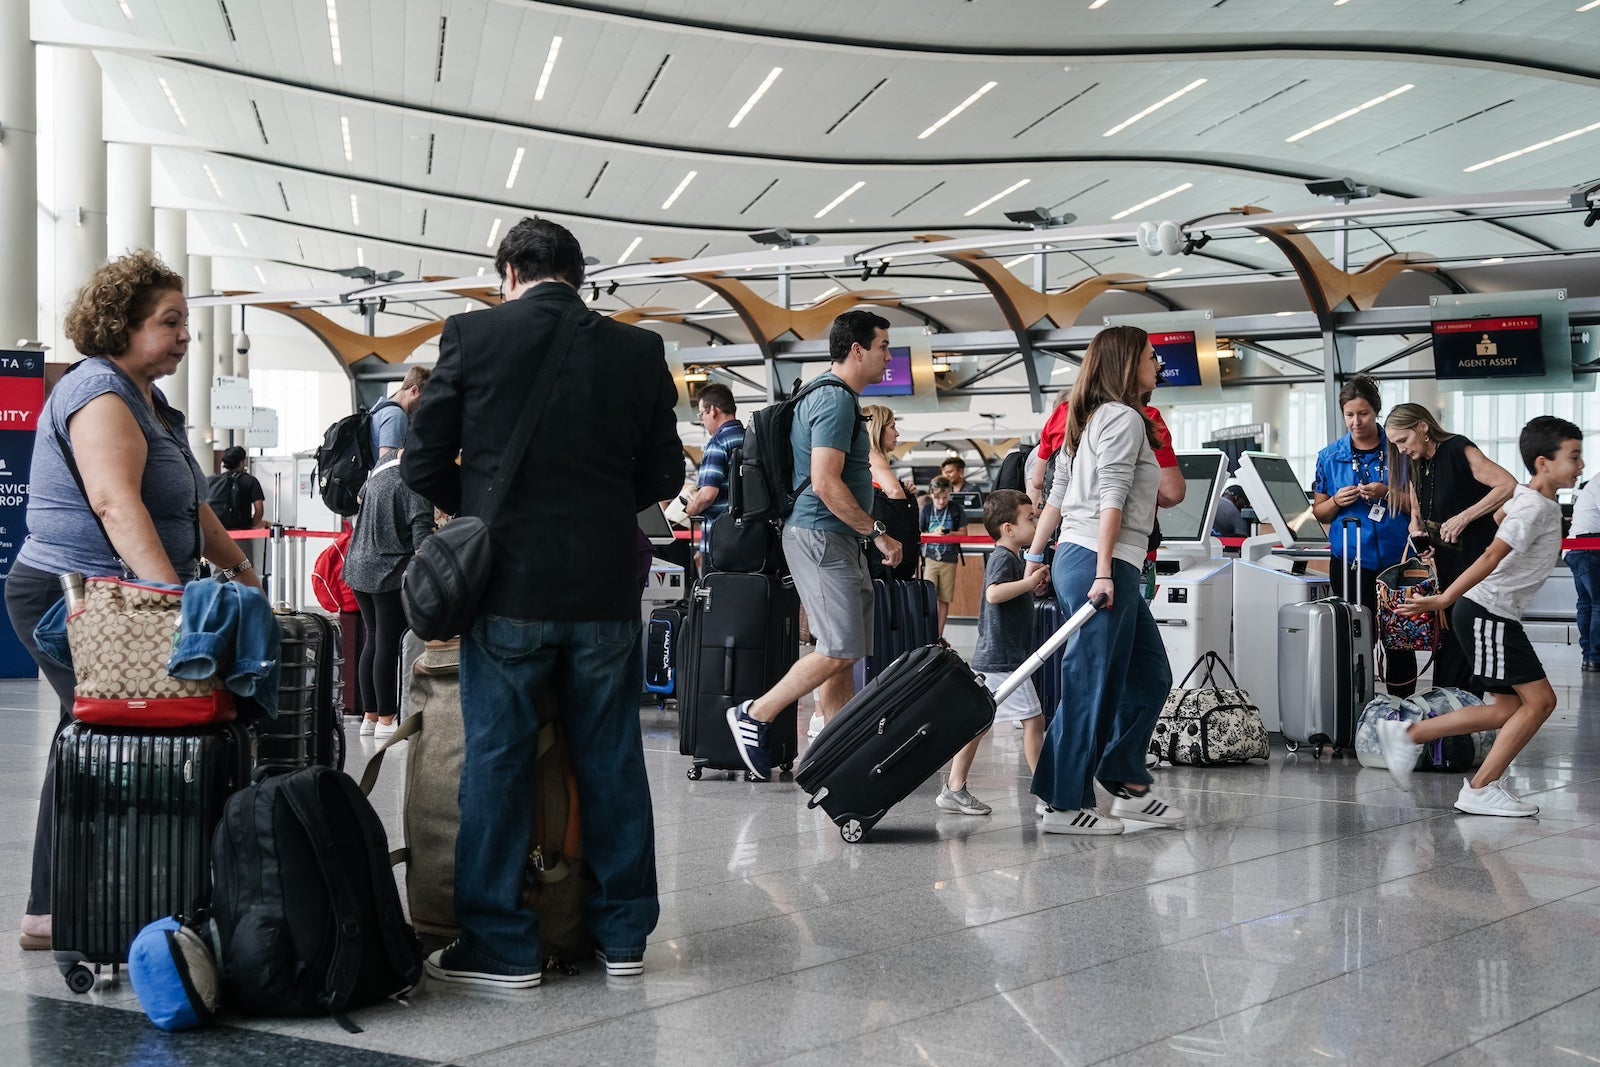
(302, 793)
(822, 381)
(398, 940)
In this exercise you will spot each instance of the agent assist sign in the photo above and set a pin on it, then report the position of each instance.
(1488, 348)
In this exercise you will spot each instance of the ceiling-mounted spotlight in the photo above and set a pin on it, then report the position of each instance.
(383, 305)
(1194, 244)
(866, 272)
(883, 268)
(1341, 190)
(594, 292)
(782, 238)
(695, 375)
(1039, 218)
(611, 290)
(1593, 217)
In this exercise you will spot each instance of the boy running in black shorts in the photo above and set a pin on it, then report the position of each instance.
(1486, 605)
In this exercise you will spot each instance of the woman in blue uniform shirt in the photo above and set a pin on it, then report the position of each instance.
(1352, 481)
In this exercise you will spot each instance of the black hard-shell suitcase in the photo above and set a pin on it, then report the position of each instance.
(905, 615)
(741, 635)
(661, 651)
(905, 725)
(1047, 682)
(309, 729)
(134, 813)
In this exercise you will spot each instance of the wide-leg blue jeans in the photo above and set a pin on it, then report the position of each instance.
(1114, 681)
(593, 669)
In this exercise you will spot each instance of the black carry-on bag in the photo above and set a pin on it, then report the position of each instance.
(309, 728)
(906, 724)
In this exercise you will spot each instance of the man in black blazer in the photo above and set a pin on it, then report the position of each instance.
(561, 616)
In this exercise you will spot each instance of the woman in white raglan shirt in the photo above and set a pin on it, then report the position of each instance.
(1114, 676)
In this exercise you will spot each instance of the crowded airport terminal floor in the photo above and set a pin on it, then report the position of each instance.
(889, 532)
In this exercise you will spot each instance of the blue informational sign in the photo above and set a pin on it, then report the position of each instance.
(21, 400)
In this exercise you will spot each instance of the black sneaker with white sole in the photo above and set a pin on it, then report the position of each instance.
(621, 964)
(459, 963)
(750, 737)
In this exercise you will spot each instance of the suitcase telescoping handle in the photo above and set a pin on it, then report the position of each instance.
(1020, 676)
(1344, 525)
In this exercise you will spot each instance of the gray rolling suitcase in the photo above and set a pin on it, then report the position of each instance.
(1325, 669)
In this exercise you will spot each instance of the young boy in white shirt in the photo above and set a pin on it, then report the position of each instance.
(1486, 605)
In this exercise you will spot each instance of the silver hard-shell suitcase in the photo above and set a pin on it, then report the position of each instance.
(1325, 668)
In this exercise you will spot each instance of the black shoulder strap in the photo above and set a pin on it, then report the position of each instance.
(822, 381)
(397, 938)
(344, 965)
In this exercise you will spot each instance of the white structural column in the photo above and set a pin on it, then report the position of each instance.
(78, 200)
(19, 180)
(222, 330)
(171, 242)
(202, 363)
(130, 220)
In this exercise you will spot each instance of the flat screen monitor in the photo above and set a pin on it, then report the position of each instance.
(1488, 348)
(971, 502)
(653, 521)
(1279, 499)
(896, 376)
(1190, 522)
(1180, 358)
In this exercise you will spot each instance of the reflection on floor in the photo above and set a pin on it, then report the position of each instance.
(1310, 913)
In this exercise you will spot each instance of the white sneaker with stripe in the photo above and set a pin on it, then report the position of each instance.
(1145, 808)
(1493, 799)
(1083, 821)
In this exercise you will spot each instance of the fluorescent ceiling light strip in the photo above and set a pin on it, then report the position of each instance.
(549, 65)
(958, 109)
(1008, 264)
(1163, 102)
(333, 33)
(1501, 259)
(997, 196)
(626, 252)
(706, 301)
(239, 233)
(516, 165)
(361, 256)
(826, 293)
(355, 211)
(1313, 222)
(1532, 148)
(1341, 116)
(261, 274)
(1590, 6)
(344, 131)
(755, 96)
(212, 178)
(1153, 200)
(1168, 273)
(1097, 5)
(126, 10)
(841, 198)
(687, 178)
(173, 101)
(494, 231)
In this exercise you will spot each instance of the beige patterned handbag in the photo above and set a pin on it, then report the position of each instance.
(121, 639)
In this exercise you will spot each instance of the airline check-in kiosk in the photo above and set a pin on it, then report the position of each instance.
(666, 584)
(1270, 573)
(1194, 590)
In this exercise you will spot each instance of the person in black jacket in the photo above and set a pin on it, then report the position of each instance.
(561, 614)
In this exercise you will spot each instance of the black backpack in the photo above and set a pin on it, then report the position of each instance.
(305, 905)
(345, 459)
(223, 494)
(761, 484)
(1013, 471)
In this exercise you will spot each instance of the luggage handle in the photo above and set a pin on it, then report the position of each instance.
(922, 734)
(1344, 525)
(1020, 676)
(1211, 661)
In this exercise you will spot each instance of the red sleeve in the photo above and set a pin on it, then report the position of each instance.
(1054, 432)
(1166, 456)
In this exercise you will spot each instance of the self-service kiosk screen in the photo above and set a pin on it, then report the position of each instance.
(1190, 520)
(1289, 500)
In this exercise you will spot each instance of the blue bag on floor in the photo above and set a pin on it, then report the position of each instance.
(174, 975)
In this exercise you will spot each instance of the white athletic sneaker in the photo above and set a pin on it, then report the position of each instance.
(1514, 795)
(1144, 808)
(960, 800)
(1040, 807)
(1079, 822)
(1492, 799)
(368, 726)
(815, 726)
(1400, 754)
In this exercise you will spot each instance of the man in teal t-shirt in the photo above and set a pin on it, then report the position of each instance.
(823, 537)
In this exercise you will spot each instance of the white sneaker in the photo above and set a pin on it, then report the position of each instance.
(383, 732)
(1144, 808)
(1492, 799)
(815, 726)
(1040, 807)
(1400, 754)
(368, 726)
(1083, 821)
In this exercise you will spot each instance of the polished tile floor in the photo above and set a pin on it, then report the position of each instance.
(1309, 914)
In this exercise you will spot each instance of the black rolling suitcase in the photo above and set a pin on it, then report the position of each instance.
(903, 727)
(741, 635)
(134, 814)
(309, 729)
(1047, 680)
(661, 652)
(905, 615)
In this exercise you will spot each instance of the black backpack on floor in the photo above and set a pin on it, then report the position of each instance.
(305, 904)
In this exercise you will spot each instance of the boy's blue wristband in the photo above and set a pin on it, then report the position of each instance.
(1033, 557)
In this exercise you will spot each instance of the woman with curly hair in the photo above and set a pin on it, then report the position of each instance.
(1114, 675)
(115, 489)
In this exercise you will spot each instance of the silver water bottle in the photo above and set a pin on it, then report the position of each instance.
(72, 589)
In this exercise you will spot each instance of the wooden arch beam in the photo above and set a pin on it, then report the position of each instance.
(1023, 306)
(1329, 289)
(352, 347)
(485, 296)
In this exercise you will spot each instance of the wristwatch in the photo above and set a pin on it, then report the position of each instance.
(878, 530)
(228, 574)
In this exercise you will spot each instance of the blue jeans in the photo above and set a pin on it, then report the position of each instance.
(593, 671)
(1585, 567)
(1114, 681)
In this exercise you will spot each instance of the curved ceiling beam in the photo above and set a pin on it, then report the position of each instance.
(351, 347)
(1218, 46)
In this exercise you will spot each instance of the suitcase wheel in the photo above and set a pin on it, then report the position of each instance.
(80, 979)
(1292, 746)
(694, 772)
(852, 830)
(750, 777)
(786, 766)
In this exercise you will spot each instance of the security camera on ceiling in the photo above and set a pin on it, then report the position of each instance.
(1343, 190)
(1157, 239)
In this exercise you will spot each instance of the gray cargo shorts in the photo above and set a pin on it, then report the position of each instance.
(830, 574)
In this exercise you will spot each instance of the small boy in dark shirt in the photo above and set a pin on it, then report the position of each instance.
(1005, 638)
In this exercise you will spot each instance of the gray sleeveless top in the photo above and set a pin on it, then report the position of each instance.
(62, 532)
